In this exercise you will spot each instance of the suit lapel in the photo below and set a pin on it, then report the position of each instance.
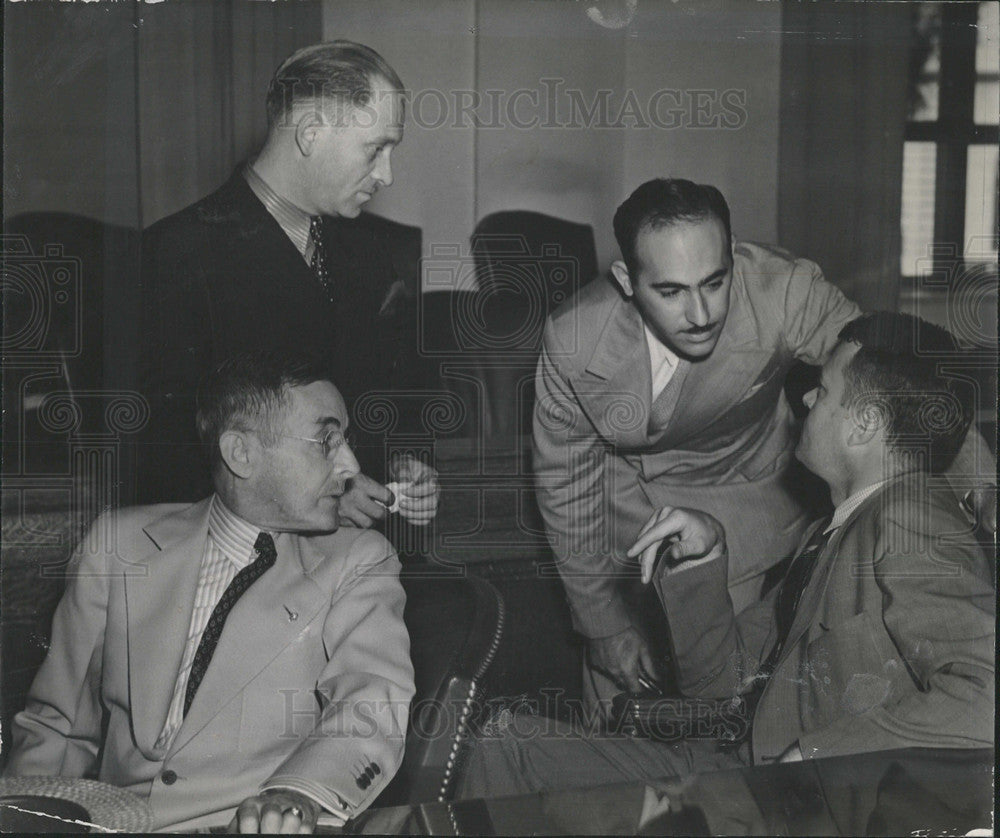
(718, 382)
(270, 243)
(808, 608)
(267, 618)
(159, 603)
(616, 384)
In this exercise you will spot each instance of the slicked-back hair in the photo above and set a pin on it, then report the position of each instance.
(663, 202)
(331, 73)
(894, 378)
(249, 392)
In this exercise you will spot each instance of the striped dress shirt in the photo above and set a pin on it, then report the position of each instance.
(294, 221)
(228, 549)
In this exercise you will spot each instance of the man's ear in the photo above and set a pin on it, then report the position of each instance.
(620, 273)
(306, 128)
(867, 423)
(236, 453)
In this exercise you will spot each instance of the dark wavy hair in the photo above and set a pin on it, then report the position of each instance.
(339, 72)
(895, 378)
(249, 392)
(662, 202)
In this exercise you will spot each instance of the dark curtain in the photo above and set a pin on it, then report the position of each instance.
(203, 70)
(843, 112)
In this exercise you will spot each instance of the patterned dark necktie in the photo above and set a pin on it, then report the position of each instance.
(320, 262)
(794, 584)
(266, 554)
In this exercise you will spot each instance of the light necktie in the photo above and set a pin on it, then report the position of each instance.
(266, 555)
(320, 262)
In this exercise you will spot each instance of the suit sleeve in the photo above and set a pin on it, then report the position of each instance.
(59, 731)
(939, 611)
(815, 312)
(716, 653)
(570, 481)
(365, 689)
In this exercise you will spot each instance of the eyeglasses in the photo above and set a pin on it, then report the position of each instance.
(331, 442)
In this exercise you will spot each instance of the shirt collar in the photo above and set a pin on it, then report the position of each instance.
(658, 351)
(234, 536)
(294, 221)
(848, 505)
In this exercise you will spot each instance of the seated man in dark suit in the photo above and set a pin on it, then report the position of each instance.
(243, 659)
(880, 634)
(273, 260)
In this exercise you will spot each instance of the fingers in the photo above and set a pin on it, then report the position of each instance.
(275, 815)
(664, 523)
(371, 489)
(363, 503)
(651, 522)
(648, 561)
(418, 502)
(407, 468)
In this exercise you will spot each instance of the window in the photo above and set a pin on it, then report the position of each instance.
(950, 188)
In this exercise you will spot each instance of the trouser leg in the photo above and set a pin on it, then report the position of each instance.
(536, 754)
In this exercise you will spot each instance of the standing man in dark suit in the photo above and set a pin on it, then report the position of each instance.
(880, 633)
(272, 260)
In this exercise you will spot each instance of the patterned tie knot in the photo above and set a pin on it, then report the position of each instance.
(264, 547)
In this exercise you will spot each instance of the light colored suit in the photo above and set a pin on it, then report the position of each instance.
(719, 438)
(309, 685)
(892, 645)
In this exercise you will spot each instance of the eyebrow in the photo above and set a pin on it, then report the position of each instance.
(666, 284)
(323, 421)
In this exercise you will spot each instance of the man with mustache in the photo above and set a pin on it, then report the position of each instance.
(241, 660)
(670, 393)
(879, 634)
(274, 259)
(667, 391)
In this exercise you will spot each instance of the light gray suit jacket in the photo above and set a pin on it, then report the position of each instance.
(719, 438)
(309, 685)
(892, 645)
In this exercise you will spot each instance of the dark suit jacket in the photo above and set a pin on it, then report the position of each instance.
(892, 645)
(220, 277)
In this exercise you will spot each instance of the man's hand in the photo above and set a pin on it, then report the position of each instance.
(363, 504)
(981, 504)
(278, 811)
(418, 500)
(623, 657)
(694, 535)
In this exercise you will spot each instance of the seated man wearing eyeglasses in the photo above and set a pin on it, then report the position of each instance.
(242, 660)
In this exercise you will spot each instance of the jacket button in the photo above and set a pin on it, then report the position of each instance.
(374, 767)
(363, 782)
(169, 777)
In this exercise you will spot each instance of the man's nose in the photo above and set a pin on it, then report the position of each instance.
(383, 169)
(697, 313)
(345, 464)
(809, 399)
